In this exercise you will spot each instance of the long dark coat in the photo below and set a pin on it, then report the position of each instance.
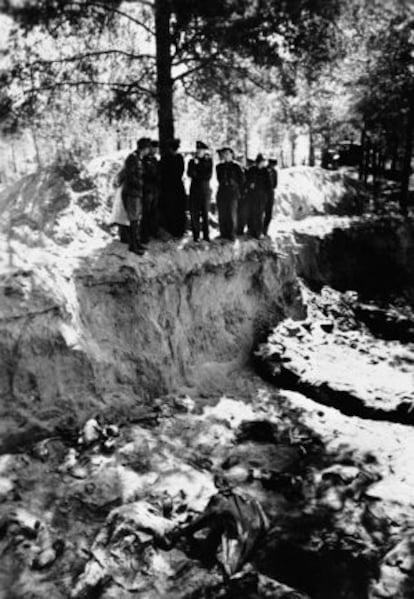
(268, 211)
(150, 218)
(133, 186)
(173, 198)
(231, 180)
(200, 171)
(259, 188)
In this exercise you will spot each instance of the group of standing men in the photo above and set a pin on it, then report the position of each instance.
(153, 193)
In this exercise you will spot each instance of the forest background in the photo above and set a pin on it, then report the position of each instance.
(86, 78)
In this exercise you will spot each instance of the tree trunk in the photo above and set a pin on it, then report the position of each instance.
(165, 85)
(13, 156)
(246, 137)
(367, 160)
(311, 147)
(292, 148)
(394, 159)
(406, 166)
(375, 175)
(36, 147)
(363, 150)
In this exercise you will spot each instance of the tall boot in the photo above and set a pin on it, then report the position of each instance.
(124, 234)
(204, 217)
(135, 241)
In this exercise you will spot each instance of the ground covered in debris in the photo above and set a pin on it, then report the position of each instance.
(350, 354)
(258, 491)
(142, 454)
(252, 495)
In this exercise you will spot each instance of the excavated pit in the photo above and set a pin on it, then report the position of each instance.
(121, 331)
(161, 346)
(373, 255)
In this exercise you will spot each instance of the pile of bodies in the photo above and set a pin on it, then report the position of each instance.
(152, 197)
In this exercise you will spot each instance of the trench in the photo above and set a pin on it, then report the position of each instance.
(312, 547)
(377, 264)
(373, 256)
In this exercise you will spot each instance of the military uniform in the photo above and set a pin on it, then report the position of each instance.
(151, 192)
(132, 198)
(200, 171)
(259, 188)
(271, 199)
(242, 209)
(231, 180)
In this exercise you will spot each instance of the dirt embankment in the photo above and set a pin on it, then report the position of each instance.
(122, 330)
(87, 328)
(85, 325)
(372, 255)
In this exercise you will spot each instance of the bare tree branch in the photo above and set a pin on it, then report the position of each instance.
(200, 65)
(144, 2)
(119, 12)
(132, 86)
(77, 57)
(217, 59)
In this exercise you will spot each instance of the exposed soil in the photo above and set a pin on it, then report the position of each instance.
(144, 454)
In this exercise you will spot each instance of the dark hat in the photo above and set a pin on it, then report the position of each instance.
(143, 142)
(174, 144)
(226, 149)
(200, 145)
(260, 158)
(155, 143)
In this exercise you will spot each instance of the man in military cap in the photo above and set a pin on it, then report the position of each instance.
(200, 170)
(173, 197)
(259, 188)
(133, 192)
(231, 181)
(271, 197)
(150, 218)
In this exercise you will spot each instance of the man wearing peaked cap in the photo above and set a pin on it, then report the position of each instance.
(272, 168)
(200, 170)
(173, 198)
(150, 218)
(224, 150)
(231, 180)
(259, 188)
(133, 192)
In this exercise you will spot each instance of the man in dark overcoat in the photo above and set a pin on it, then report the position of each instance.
(200, 170)
(173, 197)
(230, 179)
(150, 215)
(133, 192)
(259, 188)
(271, 199)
